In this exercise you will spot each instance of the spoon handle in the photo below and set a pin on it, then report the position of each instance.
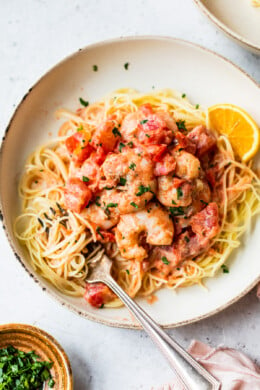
(190, 373)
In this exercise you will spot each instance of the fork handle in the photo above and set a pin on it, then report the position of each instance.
(189, 372)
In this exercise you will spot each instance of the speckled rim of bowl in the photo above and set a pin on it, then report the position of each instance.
(51, 293)
(229, 32)
(27, 338)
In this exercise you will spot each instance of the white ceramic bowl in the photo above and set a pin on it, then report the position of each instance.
(238, 19)
(206, 78)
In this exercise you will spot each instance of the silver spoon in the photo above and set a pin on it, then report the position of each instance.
(189, 372)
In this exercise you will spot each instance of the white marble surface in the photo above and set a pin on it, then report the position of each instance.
(34, 36)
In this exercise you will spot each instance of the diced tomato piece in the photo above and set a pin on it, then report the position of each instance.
(205, 223)
(76, 195)
(99, 155)
(204, 140)
(156, 151)
(106, 136)
(165, 166)
(78, 146)
(104, 236)
(183, 142)
(97, 294)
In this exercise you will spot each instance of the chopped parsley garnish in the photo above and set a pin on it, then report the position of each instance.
(95, 68)
(142, 190)
(108, 188)
(121, 146)
(228, 164)
(23, 370)
(126, 65)
(122, 181)
(85, 179)
(134, 205)
(111, 205)
(186, 238)
(147, 135)
(101, 307)
(183, 95)
(203, 202)
(197, 106)
(116, 132)
(165, 261)
(99, 232)
(175, 211)
(46, 216)
(173, 202)
(40, 221)
(130, 144)
(84, 103)
(53, 211)
(132, 166)
(181, 125)
(143, 121)
(60, 208)
(179, 193)
(225, 269)
(97, 201)
(127, 271)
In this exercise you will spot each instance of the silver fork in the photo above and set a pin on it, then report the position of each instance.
(189, 372)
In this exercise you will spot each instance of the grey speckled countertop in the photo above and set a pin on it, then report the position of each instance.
(35, 34)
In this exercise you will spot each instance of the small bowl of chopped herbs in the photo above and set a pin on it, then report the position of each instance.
(31, 359)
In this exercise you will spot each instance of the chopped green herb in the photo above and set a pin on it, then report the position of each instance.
(41, 170)
(197, 106)
(179, 193)
(143, 121)
(23, 370)
(203, 202)
(40, 221)
(147, 135)
(112, 205)
(183, 95)
(165, 261)
(130, 144)
(47, 217)
(99, 232)
(173, 202)
(225, 269)
(108, 188)
(178, 269)
(122, 181)
(85, 179)
(134, 205)
(36, 181)
(175, 211)
(116, 132)
(95, 68)
(53, 211)
(127, 271)
(132, 166)
(83, 102)
(181, 125)
(228, 164)
(186, 238)
(126, 65)
(60, 208)
(101, 307)
(97, 201)
(121, 146)
(143, 189)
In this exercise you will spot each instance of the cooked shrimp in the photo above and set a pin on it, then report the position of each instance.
(204, 227)
(149, 127)
(130, 177)
(174, 192)
(100, 217)
(154, 221)
(187, 165)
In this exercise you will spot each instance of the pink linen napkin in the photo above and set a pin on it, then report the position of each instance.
(232, 368)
